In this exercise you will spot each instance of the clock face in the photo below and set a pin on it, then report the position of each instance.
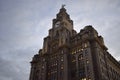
(57, 24)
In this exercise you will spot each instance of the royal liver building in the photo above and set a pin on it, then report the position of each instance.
(68, 55)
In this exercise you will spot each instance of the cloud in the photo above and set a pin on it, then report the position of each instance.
(15, 64)
(10, 71)
(24, 24)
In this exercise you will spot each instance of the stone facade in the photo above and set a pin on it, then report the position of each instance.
(68, 55)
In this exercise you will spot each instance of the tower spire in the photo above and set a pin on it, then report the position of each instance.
(63, 19)
(62, 13)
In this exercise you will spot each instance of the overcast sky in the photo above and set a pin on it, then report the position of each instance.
(24, 24)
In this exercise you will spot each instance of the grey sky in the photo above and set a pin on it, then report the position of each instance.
(24, 24)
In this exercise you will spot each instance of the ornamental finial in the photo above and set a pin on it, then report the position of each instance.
(63, 5)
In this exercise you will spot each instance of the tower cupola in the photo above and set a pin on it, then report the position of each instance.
(63, 19)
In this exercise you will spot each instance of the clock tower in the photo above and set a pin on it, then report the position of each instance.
(56, 47)
(61, 31)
